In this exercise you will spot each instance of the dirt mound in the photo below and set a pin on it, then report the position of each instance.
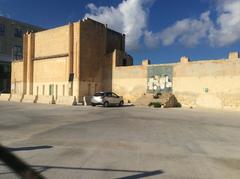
(167, 100)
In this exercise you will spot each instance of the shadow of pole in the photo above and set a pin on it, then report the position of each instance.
(143, 175)
(45, 167)
(28, 148)
(26, 171)
(17, 165)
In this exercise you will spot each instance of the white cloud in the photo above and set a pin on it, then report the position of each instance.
(129, 17)
(151, 39)
(227, 29)
(187, 31)
(190, 32)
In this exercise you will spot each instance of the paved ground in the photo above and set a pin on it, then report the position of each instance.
(129, 142)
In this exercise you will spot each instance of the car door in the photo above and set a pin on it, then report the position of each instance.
(109, 98)
(115, 98)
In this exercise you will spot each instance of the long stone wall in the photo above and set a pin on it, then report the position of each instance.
(205, 84)
(130, 82)
(209, 84)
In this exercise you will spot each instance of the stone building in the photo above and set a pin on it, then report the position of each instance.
(72, 60)
(205, 83)
(66, 63)
(5, 76)
(11, 40)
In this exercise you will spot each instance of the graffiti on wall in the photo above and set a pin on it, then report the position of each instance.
(159, 79)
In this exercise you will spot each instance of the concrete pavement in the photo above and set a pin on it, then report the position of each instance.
(128, 142)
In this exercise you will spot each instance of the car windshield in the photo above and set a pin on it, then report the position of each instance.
(99, 94)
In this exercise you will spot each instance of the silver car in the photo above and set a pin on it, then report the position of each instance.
(106, 99)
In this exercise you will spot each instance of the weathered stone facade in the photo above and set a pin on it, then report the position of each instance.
(207, 83)
(11, 41)
(67, 61)
(81, 58)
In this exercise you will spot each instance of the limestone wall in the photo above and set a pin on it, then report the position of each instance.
(210, 84)
(92, 55)
(130, 82)
(50, 72)
(205, 84)
(17, 77)
(115, 41)
(107, 72)
(52, 42)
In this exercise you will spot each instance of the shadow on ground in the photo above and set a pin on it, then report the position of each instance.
(29, 148)
(140, 173)
(115, 106)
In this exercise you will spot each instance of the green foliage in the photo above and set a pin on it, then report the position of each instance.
(155, 104)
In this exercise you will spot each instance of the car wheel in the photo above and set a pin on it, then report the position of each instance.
(121, 103)
(106, 104)
(93, 104)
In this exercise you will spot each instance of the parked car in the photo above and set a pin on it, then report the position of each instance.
(106, 99)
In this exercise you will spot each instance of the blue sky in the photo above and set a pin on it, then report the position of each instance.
(160, 30)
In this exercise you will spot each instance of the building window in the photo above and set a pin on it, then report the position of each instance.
(124, 62)
(17, 52)
(1, 47)
(2, 29)
(2, 69)
(6, 69)
(18, 33)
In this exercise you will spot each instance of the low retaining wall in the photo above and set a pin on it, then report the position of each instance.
(16, 98)
(66, 100)
(5, 97)
(45, 99)
(222, 101)
(29, 99)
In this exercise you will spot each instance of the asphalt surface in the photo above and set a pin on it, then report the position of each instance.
(128, 142)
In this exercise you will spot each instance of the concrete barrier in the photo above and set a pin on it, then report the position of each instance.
(5, 96)
(16, 97)
(66, 100)
(29, 99)
(45, 99)
(87, 100)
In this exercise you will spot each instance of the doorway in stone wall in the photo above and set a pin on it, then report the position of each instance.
(51, 90)
(56, 87)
